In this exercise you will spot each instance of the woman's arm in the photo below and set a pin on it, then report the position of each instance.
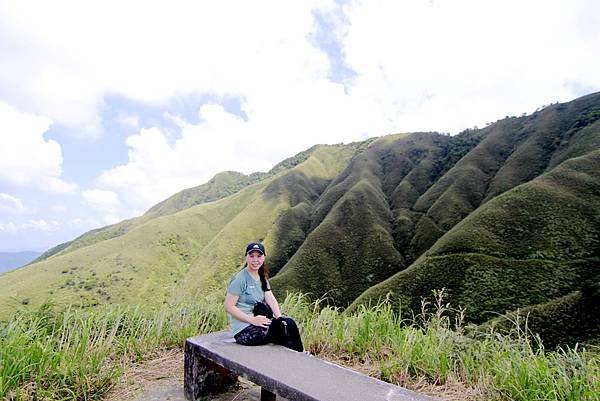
(231, 300)
(272, 302)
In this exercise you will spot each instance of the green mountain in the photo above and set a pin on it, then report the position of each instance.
(157, 257)
(505, 218)
(221, 185)
(534, 243)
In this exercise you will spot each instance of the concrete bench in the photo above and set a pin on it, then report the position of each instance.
(214, 361)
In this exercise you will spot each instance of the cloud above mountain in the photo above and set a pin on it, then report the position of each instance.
(164, 95)
(26, 157)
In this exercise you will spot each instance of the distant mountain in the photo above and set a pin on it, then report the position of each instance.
(505, 218)
(12, 260)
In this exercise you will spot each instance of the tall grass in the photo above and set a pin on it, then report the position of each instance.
(436, 347)
(78, 355)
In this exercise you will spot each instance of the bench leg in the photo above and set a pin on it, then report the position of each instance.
(266, 395)
(203, 377)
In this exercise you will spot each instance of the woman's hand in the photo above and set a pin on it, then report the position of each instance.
(261, 321)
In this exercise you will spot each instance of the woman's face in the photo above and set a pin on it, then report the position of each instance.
(255, 260)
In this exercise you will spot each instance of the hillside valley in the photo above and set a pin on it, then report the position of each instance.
(505, 218)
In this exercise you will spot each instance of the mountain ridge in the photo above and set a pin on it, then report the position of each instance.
(479, 213)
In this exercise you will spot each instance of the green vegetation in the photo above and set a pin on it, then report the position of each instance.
(78, 354)
(505, 218)
(166, 258)
(350, 246)
(528, 246)
(220, 186)
(436, 347)
(565, 320)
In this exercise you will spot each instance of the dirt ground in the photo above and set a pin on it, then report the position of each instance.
(161, 379)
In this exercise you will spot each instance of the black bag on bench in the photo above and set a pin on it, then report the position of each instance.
(262, 308)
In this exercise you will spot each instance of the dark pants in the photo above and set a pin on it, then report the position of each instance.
(282, 331)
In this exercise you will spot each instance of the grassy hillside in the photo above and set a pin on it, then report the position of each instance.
(260, 220)
(221, 185)
(351, 244)
(535, 243)
(396, 199)
(161, 258)
(504, 217)
(566, 320)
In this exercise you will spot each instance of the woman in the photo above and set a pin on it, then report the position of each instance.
(249, 287)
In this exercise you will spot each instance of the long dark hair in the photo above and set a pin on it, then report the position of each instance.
(263, 274)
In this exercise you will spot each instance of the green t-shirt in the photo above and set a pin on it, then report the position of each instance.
(249, 291)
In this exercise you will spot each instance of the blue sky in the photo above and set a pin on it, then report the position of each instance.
(107, 108)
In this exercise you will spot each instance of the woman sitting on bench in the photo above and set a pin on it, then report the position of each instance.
(253, 311)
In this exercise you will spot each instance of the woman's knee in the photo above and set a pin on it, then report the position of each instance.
(290, 324)
(252, 335)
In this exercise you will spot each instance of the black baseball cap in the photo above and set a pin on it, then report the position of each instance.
(255, 246)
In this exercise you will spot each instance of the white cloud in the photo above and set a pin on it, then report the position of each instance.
(448, 65)
(129, 121)
(10, 204)
(105, 201)
(42, 225)
(84, 223)
(8, 227)
(156, 169)
(26, 157)
(222, 141)
(151, 52)
(31, 225)
(59, 208)
(101, 198)
(419, 65)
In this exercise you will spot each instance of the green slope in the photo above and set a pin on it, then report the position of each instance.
(516, 250)
(262, 219)
(221, 185)
(511, 152)
(502, 244)
(350, 246)
(504, 217)
(566, 320)
(160, 258)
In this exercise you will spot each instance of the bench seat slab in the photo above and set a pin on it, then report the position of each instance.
(292, 375)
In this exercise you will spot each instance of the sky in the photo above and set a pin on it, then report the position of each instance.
(109, 107)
